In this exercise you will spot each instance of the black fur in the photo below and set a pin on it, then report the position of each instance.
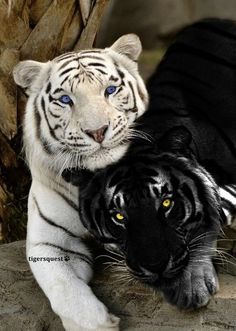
(192, 119)
(194, 86)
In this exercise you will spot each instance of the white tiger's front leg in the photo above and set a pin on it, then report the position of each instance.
(54, 232)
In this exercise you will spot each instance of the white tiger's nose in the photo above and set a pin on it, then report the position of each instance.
(98, 135)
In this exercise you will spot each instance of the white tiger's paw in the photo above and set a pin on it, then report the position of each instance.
(111, 324)
(81, 310)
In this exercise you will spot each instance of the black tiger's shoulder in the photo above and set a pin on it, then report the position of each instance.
(200, 63)
(194, 86)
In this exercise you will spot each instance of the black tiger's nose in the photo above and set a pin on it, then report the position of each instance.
(98, 135)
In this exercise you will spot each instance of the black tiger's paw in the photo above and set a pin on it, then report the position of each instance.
(194, 288)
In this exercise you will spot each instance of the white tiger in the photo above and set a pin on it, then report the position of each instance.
(79, 114)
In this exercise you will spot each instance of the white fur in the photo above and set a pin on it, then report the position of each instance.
(65, 282)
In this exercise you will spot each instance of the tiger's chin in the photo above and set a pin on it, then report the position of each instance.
(191, 288)
(103, 157)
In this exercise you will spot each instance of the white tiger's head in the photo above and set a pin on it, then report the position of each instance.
(82, 105)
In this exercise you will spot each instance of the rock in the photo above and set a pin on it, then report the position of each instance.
(23, 306)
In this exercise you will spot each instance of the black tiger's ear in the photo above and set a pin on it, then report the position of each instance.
(77, 177)
(176, 140)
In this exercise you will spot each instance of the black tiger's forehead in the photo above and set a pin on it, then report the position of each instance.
(137, 174)
(133, 186)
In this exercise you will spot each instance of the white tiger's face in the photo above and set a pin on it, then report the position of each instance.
(81, 105)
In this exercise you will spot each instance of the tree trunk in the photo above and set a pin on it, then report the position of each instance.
(37, 30)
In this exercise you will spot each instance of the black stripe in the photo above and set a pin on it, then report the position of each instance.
(121, 74)
(216, 30)
(187, 75)
(116, 178)
(230, 191)
(82, 256)
(85, 211)
(57, 126)
(228, 205)
(65, 79)
(66, 63)
(189, 194)
(66, 56)
(43, 104)
(89, 74)
(186, 88)
(200, 186)
(49, 221)
(118, 201)
(67, 70)
(150, 172)
(165, 190)
(48, 89)
(96, 64)
(91, 52)
(102, 72)
(156, 192)
(52, 134)
(147, 193)
(115, 79)
(57, 90)
(70, 202)
(77, 145)
(152, 181)
(37, 120)
(41, 139)
(182, 48)
(58, 104)
(90, 57)
(119, 89)
(132, 89)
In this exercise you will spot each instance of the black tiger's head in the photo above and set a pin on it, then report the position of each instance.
(160, 209)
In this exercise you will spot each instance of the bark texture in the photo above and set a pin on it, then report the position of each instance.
(37, 30)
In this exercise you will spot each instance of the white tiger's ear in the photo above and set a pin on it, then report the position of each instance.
(26, 72)
(129, 45)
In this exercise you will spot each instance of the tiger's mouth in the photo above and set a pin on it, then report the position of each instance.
(156, 280)
(103, 156)
(159, 278)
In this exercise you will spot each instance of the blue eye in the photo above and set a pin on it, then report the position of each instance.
(110, 89)
(65, 99)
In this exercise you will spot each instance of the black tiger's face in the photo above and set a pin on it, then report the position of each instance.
(158, 216)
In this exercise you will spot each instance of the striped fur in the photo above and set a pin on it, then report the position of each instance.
(228, 201)
(161, 245)
(192, 162)
(57, 136)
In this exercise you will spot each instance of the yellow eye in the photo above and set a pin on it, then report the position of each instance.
(119, 216)
(166, 203)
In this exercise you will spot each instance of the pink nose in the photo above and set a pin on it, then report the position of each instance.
(98, 135)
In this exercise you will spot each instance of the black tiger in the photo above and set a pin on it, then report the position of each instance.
(164, 203)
